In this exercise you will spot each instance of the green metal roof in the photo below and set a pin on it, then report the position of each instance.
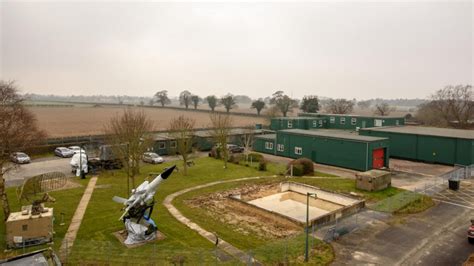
(335, 134)
(427, 131)
(234, 131)
(347, 115)
(266, 136)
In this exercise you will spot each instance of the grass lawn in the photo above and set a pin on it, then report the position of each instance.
(66, 202)
(95, 242)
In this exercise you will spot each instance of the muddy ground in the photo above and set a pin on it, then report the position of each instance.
(246, 219)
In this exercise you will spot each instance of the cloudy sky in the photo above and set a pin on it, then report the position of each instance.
(345, 49)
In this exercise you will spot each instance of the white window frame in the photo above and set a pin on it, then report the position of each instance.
(298, 150)
(315, 123)
(332, 120)
(353, 121)
(173, 144)
(320, 123)
(280, 147)
(269, 145)
(397, 122)
(290, 124)
(161, 145)
(342, 120)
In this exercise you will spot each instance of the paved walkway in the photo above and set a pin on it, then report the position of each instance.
(227, 247)
(71, 233)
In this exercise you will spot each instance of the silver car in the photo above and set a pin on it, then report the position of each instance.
(151, 157)
(63, 152)
(20, 158)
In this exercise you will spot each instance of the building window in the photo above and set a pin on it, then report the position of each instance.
(342, 120)
(353, 121)
(315, 123)
(298, 150)
(332, 120)
(161, 145)
(173, 144)
(269, 145)
(320, 123)
(24, 227)
(397, 122)
(280, 147)
(290, 123)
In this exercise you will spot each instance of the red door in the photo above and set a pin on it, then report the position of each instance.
(378, 158)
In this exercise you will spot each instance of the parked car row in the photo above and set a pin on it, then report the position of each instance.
(20, 157)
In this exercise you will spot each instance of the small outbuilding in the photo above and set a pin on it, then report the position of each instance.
(373, 180)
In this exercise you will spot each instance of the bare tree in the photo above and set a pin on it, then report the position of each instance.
(221, 126)
(185, 98)
(128, 135)
(339, 106)
(247, 139)
(283, 102)
(228, 102)
(258, 105)
(182, 128)
(310, 104)
(195, 99)
(271, 113)
(364, 104)
(162, 97)
(212, 101)
(383, 109)
(455, 103)
(18, 131)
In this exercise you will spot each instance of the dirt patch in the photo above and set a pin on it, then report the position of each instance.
(246, 219)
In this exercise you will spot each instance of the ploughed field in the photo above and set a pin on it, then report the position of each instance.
(80, 121)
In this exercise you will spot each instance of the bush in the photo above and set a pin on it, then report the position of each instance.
(262, 165)
(298, 170)
(254, 157)
(305, 164)
(215, 153)
(235, 158)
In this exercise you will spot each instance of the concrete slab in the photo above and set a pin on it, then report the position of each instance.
(282, 204)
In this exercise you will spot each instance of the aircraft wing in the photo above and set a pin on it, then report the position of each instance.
(119, 199)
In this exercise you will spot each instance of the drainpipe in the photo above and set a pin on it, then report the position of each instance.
(367, 157)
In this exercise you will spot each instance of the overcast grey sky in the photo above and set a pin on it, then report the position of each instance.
(361, 50)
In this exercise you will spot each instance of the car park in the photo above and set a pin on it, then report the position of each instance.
(20, 158)
(153, 158)
(63, 152)
(77, 149)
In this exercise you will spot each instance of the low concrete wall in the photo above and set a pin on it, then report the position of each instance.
(325, 200)
(320, 193)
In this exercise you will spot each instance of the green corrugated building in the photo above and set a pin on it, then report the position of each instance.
(164, 144)
(352, 122)
(203, 139)
(428, 144)
(330, 147)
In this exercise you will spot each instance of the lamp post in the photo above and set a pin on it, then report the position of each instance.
(306, 254)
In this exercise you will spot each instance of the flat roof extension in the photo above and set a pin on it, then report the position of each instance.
(336, 134)
(427, 131)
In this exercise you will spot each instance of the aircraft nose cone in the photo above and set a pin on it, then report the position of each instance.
(168, 172)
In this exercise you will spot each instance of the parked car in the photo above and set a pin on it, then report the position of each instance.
(234, 148)
(470, 233)
(77, 149)
(151, 157)
(63, 152)
(20, 157)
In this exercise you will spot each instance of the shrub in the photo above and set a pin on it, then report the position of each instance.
(235, 158)
(262, 165)
(255, 157)
(298, 170)
(306, 165)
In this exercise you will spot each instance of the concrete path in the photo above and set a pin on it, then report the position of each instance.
(225, 246)
(71, 233)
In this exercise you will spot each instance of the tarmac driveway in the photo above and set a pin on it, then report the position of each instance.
(434, 237)
(16, 176)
